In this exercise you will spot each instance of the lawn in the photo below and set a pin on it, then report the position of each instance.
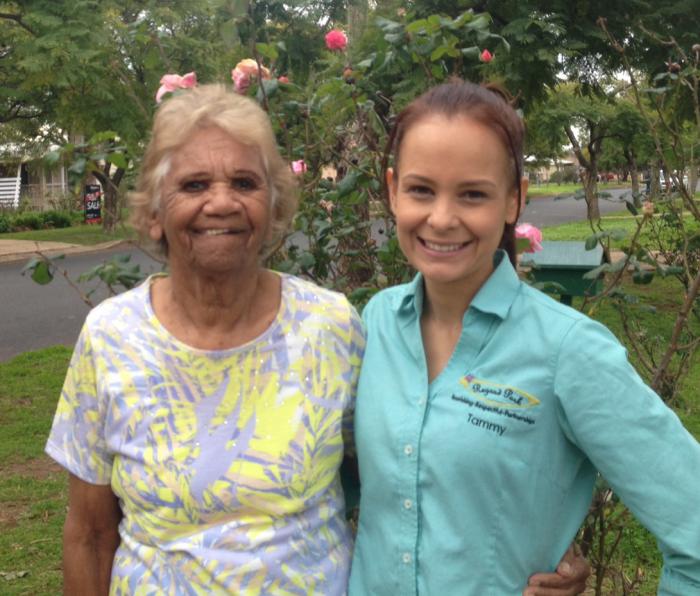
(566, 189)
(86, 234)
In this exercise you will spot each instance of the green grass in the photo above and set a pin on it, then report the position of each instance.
(555, 190)
(33, 490)
(86, 234)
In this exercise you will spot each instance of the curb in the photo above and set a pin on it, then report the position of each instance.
(68, 249)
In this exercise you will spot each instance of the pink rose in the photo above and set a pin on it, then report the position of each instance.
(244, 72)
(532, 234)
(486, 56)
(283, 79)
(172, 82)
(336, 40)
(299, 167)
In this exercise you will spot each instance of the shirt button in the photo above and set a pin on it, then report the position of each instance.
(406, 558)
(408, 449)
(408, 504)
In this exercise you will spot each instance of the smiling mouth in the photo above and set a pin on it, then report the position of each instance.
(444, 248)
(217, 232)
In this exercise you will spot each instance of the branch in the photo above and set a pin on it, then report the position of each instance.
(17, 19)
(681, 319)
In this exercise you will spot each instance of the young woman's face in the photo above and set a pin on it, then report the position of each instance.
(452, 194)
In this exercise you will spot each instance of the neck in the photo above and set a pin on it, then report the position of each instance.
(445, 304)
(217, 312)
(215, 301)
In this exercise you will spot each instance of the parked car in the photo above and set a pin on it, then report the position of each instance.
(670, 184)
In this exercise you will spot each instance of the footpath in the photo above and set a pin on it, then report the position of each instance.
(17, 250)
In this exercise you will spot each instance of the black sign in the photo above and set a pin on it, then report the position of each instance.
(92, 198)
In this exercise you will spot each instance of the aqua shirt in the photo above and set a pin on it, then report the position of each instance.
(225, 462)
(476, 480)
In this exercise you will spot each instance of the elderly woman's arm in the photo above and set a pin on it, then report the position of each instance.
(90, 537)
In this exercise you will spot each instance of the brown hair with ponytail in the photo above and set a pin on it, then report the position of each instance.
(488, 104)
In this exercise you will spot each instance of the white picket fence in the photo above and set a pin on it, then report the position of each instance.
(9, 191)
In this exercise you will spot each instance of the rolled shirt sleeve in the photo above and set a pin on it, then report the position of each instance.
(637, 443)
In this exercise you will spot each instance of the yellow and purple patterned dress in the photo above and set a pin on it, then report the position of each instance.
(225, 462)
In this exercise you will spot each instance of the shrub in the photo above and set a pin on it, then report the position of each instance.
(57, 219)
(27, 221)
(5, 224)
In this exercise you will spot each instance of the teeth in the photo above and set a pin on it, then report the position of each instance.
(215, 232)
(443, 247)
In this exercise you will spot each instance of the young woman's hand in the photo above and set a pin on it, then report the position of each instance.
(570, 578)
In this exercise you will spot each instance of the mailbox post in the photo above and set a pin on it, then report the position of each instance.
(565, 263)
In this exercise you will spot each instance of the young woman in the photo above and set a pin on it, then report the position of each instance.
(485, 409)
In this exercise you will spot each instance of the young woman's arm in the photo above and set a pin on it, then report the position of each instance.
(90, 538)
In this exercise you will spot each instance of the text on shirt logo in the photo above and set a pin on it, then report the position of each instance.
(497, 395)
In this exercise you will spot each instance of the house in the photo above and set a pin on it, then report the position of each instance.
(32, 183)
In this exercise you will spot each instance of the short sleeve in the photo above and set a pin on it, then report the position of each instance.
(636, 442)
(355, 353)
(77, 440)
(348, 472)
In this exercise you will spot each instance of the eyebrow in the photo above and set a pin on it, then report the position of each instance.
(465, 183)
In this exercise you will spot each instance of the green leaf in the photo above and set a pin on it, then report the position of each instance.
(267, 50)
(119, 160)
(642, 277)
(472, 52)
(348, 184)
(631, 208)
(41, 273)
(591, 242)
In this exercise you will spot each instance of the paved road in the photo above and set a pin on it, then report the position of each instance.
(549, 211)
(34, 317)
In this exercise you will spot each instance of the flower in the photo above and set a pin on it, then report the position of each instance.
(529, 233)
(486, 56)
(648, 208)
(172, 82)
(326, 205)
(283, 79)
(299, 167)
(336, 40)
(244, 72)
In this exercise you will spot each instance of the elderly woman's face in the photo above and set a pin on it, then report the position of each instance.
(215, 206)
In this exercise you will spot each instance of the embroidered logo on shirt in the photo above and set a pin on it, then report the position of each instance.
(497, 395)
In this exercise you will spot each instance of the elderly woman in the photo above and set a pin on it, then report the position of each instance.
(201, 416)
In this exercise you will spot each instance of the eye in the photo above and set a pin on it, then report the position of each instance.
(244, 183)
(194, 186)
(419, 191)
(474, 195)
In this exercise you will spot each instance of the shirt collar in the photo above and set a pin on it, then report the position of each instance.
(495, 297)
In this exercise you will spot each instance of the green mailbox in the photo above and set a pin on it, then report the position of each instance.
(566, 263)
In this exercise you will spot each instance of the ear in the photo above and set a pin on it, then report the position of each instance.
(391, 188)
(512, 210)
(155, 228)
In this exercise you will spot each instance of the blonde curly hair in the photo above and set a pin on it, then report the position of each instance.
(239, 116)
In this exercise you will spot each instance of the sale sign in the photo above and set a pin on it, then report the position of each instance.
(92, 198)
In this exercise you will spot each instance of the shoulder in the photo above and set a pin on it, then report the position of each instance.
(307, 297)
(386, 301)
(120, 309)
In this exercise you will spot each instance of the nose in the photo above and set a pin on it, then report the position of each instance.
(222, 200)
(442, 215)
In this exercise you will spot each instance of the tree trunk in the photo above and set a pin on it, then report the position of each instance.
(110, 188)
(634, 175)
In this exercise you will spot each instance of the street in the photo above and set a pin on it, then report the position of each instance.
(35, 317)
